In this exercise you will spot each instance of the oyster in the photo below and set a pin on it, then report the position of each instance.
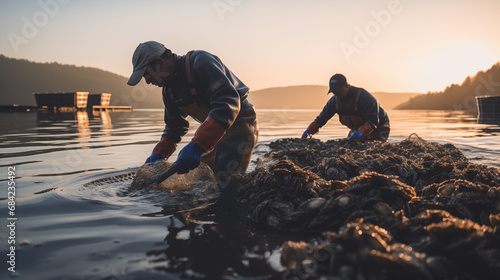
(407, 210)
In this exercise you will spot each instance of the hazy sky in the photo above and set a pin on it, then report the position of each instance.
(381, 45)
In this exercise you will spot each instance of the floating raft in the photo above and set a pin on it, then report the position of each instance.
(17, 108)
(111, 108)
(76, 100)
(489, 109)
(100, 99)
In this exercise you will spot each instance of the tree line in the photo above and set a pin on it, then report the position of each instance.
(459, 97)
(19, 78)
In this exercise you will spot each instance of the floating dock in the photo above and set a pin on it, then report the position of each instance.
(100, 99)
(111, 108)
(64, 101)
(76, 99)
(17, 108)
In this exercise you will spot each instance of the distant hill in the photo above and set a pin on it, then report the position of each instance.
(19, 78)
(292, 97)
(313, 97)
(389, 100)
(459, 97)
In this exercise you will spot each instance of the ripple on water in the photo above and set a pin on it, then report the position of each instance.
(113, 188)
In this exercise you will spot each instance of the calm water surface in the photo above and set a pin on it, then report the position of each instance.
(67, 231)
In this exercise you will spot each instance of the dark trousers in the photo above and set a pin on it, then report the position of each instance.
(232, 153)
(380, 133)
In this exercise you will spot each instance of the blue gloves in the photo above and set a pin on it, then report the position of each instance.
(153, 158)
(163, 149)
(306, 133)
(189, 158)
(357, 134)
(312, 129)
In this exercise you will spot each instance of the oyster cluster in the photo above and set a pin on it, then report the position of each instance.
(373, 210)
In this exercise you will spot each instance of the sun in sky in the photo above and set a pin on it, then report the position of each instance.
(442, 65)
(408, 46)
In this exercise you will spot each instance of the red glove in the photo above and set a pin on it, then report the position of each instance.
(208, 134)
(165, 147)
(366, 128)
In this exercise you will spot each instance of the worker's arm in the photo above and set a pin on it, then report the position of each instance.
(176, 126)
(218, 87)
(369, 111)
(326, 114)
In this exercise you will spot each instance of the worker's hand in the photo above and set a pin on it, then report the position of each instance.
(312, 129)
(189, 158)
(153, 158)
(356, 135)
(163, 149)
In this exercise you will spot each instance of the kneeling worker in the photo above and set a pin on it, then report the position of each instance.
(198, 84)
(357, 109)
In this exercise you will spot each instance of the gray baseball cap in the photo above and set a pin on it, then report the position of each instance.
(144, 54)
(337, 81)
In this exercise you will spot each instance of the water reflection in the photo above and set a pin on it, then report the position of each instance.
(82, 118)
(52, 163)
(106, 123)
(493, 130)
(491, 119)
(201, 249)
(488, 120)
(106, 119)
(82, 123)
